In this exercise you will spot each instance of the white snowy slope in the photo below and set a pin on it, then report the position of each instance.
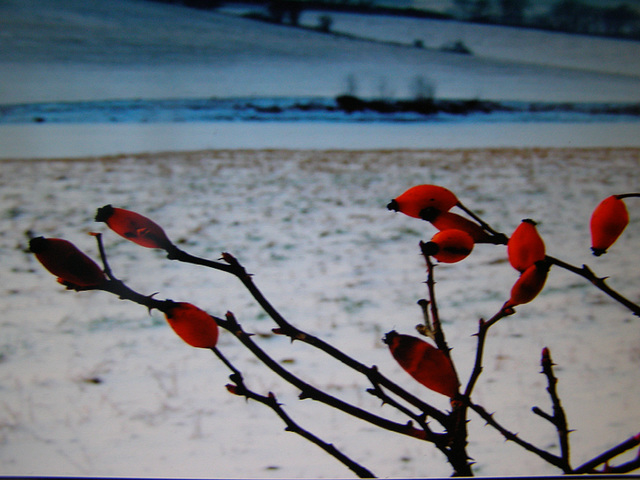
(74, 49)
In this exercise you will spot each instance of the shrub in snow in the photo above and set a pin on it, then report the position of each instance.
(428, 360)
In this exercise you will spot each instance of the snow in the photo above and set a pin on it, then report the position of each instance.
(78, 50)
(313, 229)
(90, 385)
(77, 141)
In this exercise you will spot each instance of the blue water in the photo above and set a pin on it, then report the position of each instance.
(295, 109)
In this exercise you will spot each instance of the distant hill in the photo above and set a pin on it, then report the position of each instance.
(77, 50)
(612, 18)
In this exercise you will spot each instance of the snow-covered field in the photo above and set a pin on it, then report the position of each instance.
(72, 50)
(313, 228)
(91, 385)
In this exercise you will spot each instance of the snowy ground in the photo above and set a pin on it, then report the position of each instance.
(90, 385)
(314, 229)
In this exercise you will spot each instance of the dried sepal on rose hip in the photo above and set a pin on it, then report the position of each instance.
(425, 363)
(525, 246)
(133, 226)
(608, 221)
(64, 260)
(424, 201)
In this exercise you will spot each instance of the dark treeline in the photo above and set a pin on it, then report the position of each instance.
(571, 16)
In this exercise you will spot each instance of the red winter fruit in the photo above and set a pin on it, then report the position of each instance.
(449, 246)
(529, 284)
(525, 247)
(450, 220)
(424, 201)
(63, 259)
(133, 226)
(608, 221)
(196, 327)
(424, 362)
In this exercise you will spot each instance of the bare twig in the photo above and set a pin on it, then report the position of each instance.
(598, 282)
(498, 238)
(239, 388)
(285, 328)
(488, 417)
(558, 419)
(627, 195)
(603, 458)
(117, 287)
(438, 333)
(483, 329)
(309, 391)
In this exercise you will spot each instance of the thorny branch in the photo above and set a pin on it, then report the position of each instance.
(117, 287)
(558, 418)
(436, 326)
(309, 391)
(590, 466)
(483, 329)
(453, 441)
(598, 282)
(432, 328)
(239, 388)
(456, 421)
(285, 328)
(488, 417)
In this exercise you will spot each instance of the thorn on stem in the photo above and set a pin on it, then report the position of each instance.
(304, 395)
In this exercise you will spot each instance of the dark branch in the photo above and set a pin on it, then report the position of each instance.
(309, 391)
(498, 238)
(438, 333)
(488, 417)
(240, 388)
(603, 458)
(285, 328)
(598, 282)
(558, 419)
(483, 329)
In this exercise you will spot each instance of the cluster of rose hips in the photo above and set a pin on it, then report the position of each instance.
(75, 269)
(455, 240)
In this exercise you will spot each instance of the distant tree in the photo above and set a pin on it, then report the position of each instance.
(621, 20)
(324, 23)
(203, 4)
(279, 10)
(276, 11)
(463, 8)
(422, 88)
(572, 16)
(473, 10)
(352, 85)
(512, 11)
